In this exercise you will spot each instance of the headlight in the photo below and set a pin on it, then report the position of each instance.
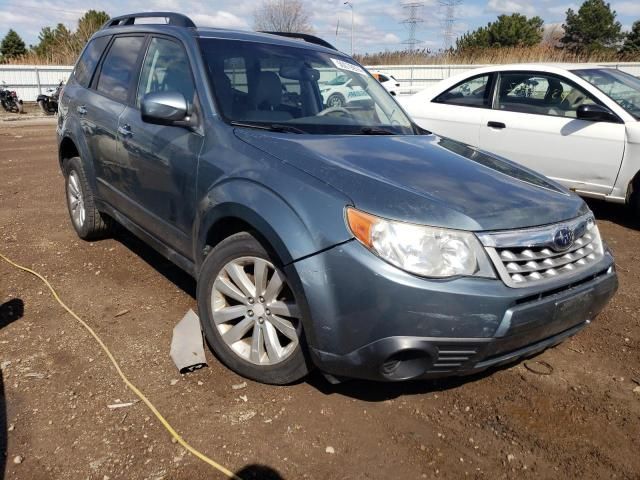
(425, 251)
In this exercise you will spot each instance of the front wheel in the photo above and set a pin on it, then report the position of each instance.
(336, 100)
(249, 312)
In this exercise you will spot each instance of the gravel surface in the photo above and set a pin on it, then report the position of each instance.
(580, 421)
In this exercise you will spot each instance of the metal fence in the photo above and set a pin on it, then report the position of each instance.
(31, 80)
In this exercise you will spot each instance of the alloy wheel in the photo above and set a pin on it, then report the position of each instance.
(335, 101)
(74, 197)
(255, 312)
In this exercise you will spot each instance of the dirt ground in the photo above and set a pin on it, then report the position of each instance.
(581, 421)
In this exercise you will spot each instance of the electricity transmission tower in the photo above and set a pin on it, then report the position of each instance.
(449, 20)
(412, 21)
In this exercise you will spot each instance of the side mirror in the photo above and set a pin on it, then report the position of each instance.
(596, 113)
(165, 108)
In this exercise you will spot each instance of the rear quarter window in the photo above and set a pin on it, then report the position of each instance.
(89, 59)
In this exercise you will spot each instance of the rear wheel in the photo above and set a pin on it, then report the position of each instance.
(87, 221)
(249, 312)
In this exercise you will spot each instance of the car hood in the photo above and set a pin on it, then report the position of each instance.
(424, 179)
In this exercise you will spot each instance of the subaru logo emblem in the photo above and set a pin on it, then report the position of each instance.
(563, 238)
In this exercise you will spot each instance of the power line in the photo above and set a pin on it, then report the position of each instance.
(413, 19)
(449, 21)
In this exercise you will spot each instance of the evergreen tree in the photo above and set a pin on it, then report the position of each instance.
(51, 39)
(89, 24)
(12, 45)
(632, 43)
(515, 30)
(592, 28)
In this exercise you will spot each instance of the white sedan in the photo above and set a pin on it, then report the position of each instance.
(577, 124)
(341, 90)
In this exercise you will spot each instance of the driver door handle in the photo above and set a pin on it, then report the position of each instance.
(81, 109)
(125, 130)
(498, 125)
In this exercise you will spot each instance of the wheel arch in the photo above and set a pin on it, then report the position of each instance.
(73, 143)
(242, 204)
(633, 188)
(67, 150)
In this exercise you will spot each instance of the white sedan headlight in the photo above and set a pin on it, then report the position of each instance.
(422, 250)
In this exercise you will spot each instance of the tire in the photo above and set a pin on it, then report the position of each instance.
(238, 322)
(336, 100)
(20, 107)
(634, 205)
(87, 221)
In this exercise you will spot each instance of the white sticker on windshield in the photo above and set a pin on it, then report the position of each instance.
(348, 66)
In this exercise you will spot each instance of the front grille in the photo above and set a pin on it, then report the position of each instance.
(532, 256)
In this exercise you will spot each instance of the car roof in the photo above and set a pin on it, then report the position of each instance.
(220, 33)
(548, 66)
(261, 37)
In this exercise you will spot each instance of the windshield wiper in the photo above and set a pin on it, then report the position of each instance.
(272, 127)
(376, 131)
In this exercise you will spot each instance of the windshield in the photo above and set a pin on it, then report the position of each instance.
(623, 88)
(297, 89)
(339, 80)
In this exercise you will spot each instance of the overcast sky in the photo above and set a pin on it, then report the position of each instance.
(377, 22)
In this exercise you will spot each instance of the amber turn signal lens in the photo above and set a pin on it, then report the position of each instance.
(361, 224)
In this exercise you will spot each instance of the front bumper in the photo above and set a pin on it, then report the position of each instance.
(371, 320)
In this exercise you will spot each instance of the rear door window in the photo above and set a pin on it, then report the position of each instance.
(119, 68)
(89, 60)
(474, 92)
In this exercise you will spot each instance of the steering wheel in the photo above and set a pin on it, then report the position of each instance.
(330, 110)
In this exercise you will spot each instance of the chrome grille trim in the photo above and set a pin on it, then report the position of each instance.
(529, 257)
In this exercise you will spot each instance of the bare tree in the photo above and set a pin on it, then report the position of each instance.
(282, 16)
(552, 35)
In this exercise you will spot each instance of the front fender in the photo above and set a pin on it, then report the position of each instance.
(306, 222)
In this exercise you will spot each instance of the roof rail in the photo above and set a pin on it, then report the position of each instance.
(304, 36)
(176, 19)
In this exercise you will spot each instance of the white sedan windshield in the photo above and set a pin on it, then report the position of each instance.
(621, 87)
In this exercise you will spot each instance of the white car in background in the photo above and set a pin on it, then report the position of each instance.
(577, 124)
(341, 90)
(389, 82)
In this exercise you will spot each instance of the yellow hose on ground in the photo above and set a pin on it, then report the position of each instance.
(128, 383)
